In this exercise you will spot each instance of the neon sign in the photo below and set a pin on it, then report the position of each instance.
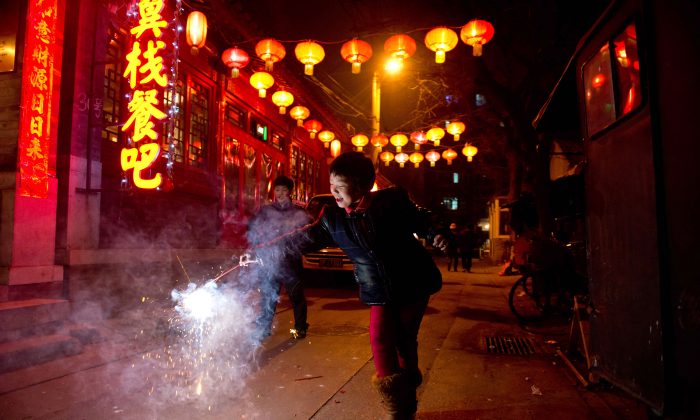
(148, 80)
(37, 95)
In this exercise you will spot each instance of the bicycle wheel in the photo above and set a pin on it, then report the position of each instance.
(525, 302)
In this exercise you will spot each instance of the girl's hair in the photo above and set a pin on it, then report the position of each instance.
(356, 168)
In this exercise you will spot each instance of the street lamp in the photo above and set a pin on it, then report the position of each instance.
(377, 100)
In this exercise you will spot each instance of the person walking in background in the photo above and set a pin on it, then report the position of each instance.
(395, 273)
(466, 241)
(281, 258)
(452, 249)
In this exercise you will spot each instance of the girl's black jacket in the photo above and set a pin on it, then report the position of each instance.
(391, 265)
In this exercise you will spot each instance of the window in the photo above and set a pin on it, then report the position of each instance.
(611, 81)
(504, 222)
(234, 115)
(258, 129)
(450, 203)
(111, 109)
(455, 177)
(176, 100)
(199, 125)
(277, 141)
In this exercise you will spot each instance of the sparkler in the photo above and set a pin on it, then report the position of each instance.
(212, 340)
(215, 333)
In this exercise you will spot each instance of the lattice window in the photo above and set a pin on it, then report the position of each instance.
(178, 120)
(111, 105)
(199, 125)
(234, 116)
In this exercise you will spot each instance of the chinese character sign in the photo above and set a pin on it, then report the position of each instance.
(147, 76)
(37, 94)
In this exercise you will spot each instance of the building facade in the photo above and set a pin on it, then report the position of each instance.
(69, 133)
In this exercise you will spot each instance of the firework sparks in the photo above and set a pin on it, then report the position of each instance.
(212, 339)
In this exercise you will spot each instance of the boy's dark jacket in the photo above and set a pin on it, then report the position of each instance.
(391, 265)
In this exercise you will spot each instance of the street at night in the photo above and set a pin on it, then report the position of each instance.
(327, 375)
(349, 209)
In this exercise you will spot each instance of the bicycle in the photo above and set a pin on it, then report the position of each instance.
(549, 283)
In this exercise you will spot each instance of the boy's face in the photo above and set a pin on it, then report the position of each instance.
(282, 194)
(345, 194)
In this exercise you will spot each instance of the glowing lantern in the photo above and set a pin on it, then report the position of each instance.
(401, 158)
(196, 31)
(335, 148)
(313, 127)
(356, 52)
(418, 138)
(235, 59)
(310, 54)
(379, 141)
(400, 46)
(416, 158)
(262, 81)
(326, 137)
(432, 157)
(435, 134)
(386, 157)
(449, 155)
(399, 140)
(456, 128)
(441, 40)
(469, 151)
(270, 51)
(476, 33)
(300, 113)
(282, 99)
(359, 141)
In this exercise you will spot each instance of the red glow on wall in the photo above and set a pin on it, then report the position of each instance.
(598, 80)
(37, 95)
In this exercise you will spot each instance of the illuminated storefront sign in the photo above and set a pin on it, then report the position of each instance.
(146, 74)
(37, 94)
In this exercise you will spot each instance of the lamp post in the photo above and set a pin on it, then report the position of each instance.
(376, 109)
(391, 66)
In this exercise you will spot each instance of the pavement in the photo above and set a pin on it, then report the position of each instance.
(478, 363)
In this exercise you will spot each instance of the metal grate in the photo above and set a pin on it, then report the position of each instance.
(509, 345)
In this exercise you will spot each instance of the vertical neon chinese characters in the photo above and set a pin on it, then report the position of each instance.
(37, 94)
(145, 73)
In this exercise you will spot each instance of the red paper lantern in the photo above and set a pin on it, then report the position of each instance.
(313, 127)
(400, 46)
(477, 33)
(432, 157)
(356, 52)
(441, 40)
(270, 51)
(235, 59)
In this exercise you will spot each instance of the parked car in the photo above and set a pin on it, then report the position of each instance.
(329, 258)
